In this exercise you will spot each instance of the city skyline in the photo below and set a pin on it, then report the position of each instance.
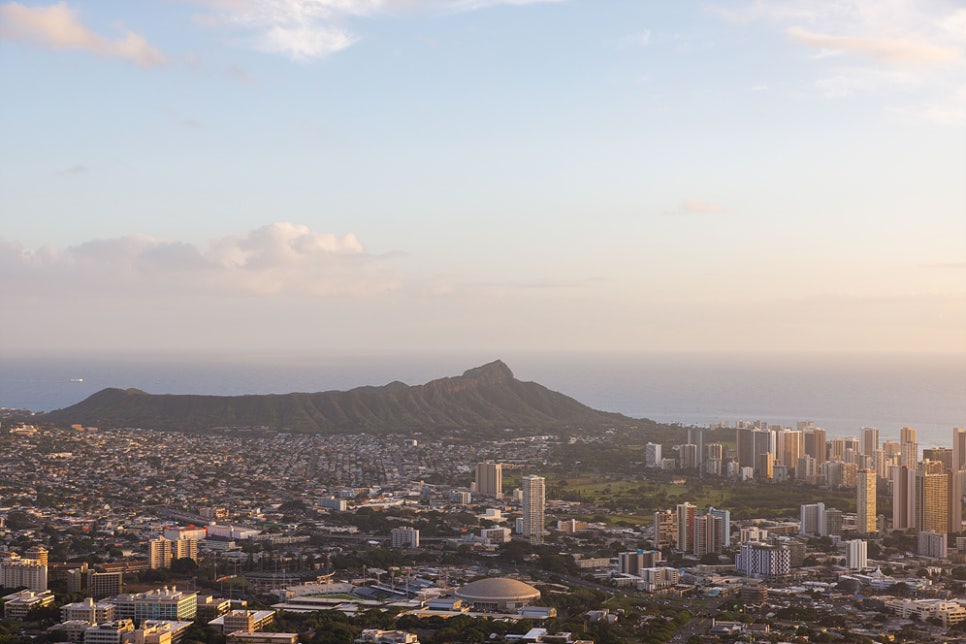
(485, 175)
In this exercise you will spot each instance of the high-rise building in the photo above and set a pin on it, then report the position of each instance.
(162, 551)
(765, 466)
(489, 479)
(865, 502)
(164, 603)
(942, 455)
(856, 554)
(932, 502)
(665, 529)
(686, 513)
(38, 554)
(708, 529)
(904, 512)
(696, 437)
(959, 448)
(813, 520)
(534, 505)
(815, 444)
(907, 435)
(652, 455)
(689, 456)
(870, 440)
(791, 447)
(725, 516)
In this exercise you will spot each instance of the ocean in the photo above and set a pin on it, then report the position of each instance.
(842, 393)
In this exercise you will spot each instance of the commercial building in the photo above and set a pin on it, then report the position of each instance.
(652, 455)
(108, 632)
(631, 563)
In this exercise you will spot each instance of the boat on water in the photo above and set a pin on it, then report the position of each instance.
(77, 380)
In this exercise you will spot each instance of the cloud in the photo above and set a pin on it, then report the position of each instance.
(697, 207)
(58, 27)
(852, 81)
(635, 41)
(305, 30)
(894, 50)
(279, 259)
(74, 170)
(950, 110)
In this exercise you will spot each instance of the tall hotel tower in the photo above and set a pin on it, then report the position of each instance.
(534, 503)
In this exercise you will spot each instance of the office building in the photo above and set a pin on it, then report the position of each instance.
(534, 505)
(654, 578)
(866, 516)
(489, 479)
(104, 584)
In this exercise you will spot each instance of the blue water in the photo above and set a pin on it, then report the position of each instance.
(839, 392)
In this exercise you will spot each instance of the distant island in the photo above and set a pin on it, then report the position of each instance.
(488, 398)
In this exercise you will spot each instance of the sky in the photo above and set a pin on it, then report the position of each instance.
(619, 175)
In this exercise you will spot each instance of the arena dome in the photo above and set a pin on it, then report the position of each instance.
(498, 593)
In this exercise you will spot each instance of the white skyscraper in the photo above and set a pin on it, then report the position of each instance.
(534, 503)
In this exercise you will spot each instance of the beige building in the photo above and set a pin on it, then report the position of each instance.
(866, 516)
(489, 479)
(534, 506)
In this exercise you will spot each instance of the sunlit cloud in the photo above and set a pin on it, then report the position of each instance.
(278, 259)
(887, 50)
(58, 27)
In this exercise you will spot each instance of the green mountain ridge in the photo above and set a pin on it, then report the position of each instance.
(484, 398)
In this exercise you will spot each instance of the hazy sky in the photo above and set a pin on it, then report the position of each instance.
(483, 174)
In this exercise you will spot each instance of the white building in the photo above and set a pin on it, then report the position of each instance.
(16, 572)
(856, 554)
(534, 506)
(652, 455)
(404, 537)
(762, 561)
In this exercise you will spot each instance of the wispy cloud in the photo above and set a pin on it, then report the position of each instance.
(278, 259)
(887, 50)
(58, 27)
(912, 54)
(305, 30)
(697, 207)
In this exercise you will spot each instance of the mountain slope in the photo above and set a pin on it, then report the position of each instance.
(487, 397)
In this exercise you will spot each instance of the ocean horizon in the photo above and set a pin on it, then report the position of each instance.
(840, 392)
